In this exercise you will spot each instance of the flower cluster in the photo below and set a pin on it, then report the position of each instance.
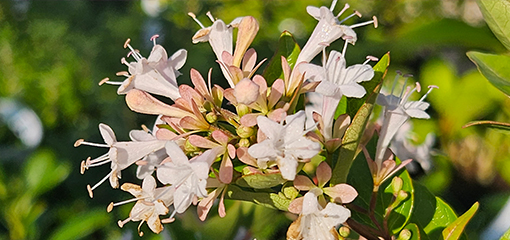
(255, 123)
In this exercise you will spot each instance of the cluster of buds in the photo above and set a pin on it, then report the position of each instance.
(196, 141)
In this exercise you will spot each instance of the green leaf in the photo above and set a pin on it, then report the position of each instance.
(495, 14)
(353, 134)
(492, 124)
(288, 48)
(494, 68)
(506, 236)
(455, 229)
(261, 197)
(415, 231)
(261, 181)
(430, 213)
(82, 225)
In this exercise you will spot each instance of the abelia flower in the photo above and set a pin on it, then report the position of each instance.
(328, 30)
(397, 110)
(120, 155)
(150, 203)
(188, 177)
(316, 222)
(156, 74)
(285, 145)
(337, 80)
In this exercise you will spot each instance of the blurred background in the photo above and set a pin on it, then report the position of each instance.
(54, 53)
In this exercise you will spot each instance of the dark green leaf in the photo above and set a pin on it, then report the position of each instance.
(495, 14)
(288, 48)
(430, 213)
(494, 68)
(353, 134)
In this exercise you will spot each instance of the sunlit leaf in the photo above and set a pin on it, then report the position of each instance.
(506, 236)
(353, 134)
(494, 68)
(288, 48)
(495, 14)
(261, 181)
(455, 229)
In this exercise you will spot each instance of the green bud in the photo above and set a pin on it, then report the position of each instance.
(211, 117)
(244, 142)
(188, 147)
(402, 195)
(344, 231)
(404, 235)
(396, 184)
(242, 110)
(244, 132)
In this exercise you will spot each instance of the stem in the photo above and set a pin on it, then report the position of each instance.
(357, 208)
(363, 230)
(371, 214)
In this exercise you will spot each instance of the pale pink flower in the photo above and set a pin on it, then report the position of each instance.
(285, 145)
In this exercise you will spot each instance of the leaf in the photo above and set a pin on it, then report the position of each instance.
(495, 14)
(261, 181)
(455, 229)
(494, 68)
(492, 124)
(430, 213)
(267, 199)
(287, 47)
(506, 236)
(353, 134)
(82, 225)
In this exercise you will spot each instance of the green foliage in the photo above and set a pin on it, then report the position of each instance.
(287, 48)
(494, 68)
(456, 228)
(495, 14)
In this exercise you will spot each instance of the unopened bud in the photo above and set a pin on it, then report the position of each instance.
(244, 142)
(344, 231)
(404, 235)
(188, 147)
(396, 184)
(402, 195)
(211, 117)
(244, 131)
(242, 110)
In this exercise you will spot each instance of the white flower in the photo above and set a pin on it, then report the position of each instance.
(328, 30)
(404, 148)
(397, 110)
(317, 223)
(285, 144)
(188, 177)
(148, 164)
(337, 80)
(121, 155)
(150, 203)
(156, 74)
